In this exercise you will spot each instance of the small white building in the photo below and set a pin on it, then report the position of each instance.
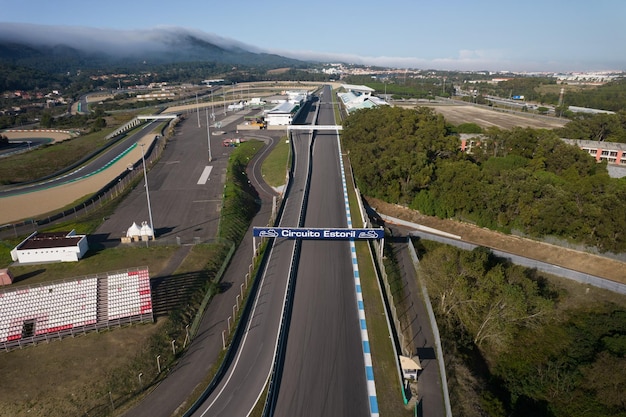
(236, 106)
(282, 114)
(51, 247)
(410, 367)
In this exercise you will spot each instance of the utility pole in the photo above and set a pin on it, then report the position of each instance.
(145, 177)
(208, 133)
(198, 110)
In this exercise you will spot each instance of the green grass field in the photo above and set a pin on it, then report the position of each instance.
(275, 166)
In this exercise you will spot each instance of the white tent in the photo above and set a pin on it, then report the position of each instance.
(133, 231)
(146, 230)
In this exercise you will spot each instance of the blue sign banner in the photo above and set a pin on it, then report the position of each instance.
(314, 233)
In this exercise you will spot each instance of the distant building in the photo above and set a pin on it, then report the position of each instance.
(285, 110)
(51, 247)
(6, 278)
(359, 97)
(155, 96)
(282, 114)
(613, 153)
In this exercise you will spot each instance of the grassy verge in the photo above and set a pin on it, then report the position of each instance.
(388, 388)
(155, 257)
(274, 167)
(47, 160)
(240, 198)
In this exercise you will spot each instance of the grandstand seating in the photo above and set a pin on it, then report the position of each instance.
(31, 313)
(129, 294)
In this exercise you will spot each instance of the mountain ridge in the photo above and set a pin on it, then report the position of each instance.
(53, 53)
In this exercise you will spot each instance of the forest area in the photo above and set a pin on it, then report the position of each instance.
(516, 342)
(522, 180)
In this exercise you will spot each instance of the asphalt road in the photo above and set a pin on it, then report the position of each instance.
(418, 326)
(22, 145)
(185, 204)
(242, 385)
(323, 372)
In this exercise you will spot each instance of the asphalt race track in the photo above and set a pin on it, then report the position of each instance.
(323, 373)
(87, 170)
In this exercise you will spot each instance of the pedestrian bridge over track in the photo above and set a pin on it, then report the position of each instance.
(139, 120)
(314, 127)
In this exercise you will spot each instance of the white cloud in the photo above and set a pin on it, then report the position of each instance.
(112, 41)
(123, 42)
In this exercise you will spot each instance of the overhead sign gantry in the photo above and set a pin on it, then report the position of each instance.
(318, 233)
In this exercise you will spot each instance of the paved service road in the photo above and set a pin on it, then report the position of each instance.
(324, 371)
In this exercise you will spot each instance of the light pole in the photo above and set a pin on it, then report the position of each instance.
(145, 177)
(198, 110)
(208, 133)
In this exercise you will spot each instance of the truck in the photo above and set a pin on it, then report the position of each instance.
(231, 143)
(260, 122)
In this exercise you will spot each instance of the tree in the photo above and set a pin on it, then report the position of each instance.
(99, 123)
(46, 120)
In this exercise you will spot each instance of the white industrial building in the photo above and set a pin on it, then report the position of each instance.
(51, 247)
(359, 97)
(283, 113)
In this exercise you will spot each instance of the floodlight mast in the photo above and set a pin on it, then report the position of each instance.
(145, 176)
(208, 134)
(198, 110)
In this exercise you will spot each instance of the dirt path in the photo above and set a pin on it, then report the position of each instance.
(484, 117)
(556, 255)
(55, 135)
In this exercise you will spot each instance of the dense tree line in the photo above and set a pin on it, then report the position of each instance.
(524, 179)
(600, 127)
(610, 96)
(14, 77)
(425, 87)
(530, 356)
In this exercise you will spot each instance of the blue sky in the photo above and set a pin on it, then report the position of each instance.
(526, 35)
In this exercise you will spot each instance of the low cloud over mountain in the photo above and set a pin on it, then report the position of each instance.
(19, 41)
